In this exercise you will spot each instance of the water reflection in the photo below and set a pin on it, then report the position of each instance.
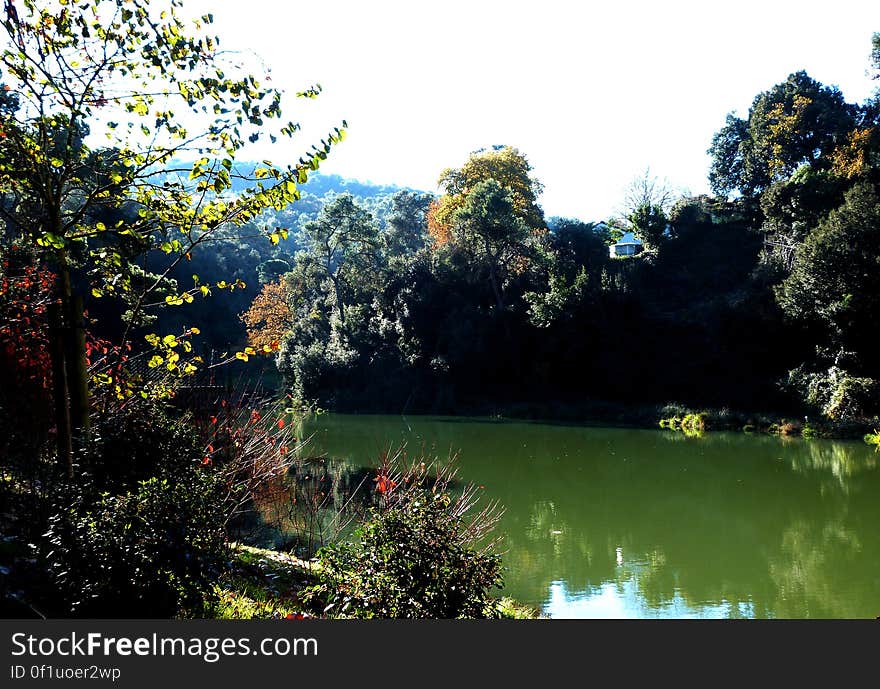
(627, 523)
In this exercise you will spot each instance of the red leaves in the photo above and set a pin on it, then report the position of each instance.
(25, 296)
(384, 484)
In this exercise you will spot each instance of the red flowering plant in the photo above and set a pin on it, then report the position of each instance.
(25, 362)
(247, 443)
(425, 550)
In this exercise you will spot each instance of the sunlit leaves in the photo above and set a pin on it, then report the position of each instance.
(268, 318)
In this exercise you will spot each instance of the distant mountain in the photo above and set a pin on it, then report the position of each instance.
(318, 190)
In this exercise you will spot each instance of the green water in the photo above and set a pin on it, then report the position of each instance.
(604, 522)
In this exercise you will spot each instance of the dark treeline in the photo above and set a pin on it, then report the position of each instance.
(761, 297)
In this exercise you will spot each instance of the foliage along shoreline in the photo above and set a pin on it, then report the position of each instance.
(669, 416)
(262, 583)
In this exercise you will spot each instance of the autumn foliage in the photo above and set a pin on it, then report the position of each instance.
(25, 295)
(439, 231)
(268, 318)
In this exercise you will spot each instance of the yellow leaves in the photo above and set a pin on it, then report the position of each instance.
(277, 235)
(439, 231)
(268, 318)
(784, 126)
(51, 240)
(169, 352)
(849, 159)
(506, 166)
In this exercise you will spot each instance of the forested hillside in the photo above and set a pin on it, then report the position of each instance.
(760, 297)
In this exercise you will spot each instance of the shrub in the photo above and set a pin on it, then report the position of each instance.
(149, 552)
(838, 394)
(416, 556)
(137, 442)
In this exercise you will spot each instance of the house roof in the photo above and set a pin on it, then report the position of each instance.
(628, 238)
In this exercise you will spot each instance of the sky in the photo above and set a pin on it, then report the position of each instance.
(592, 93)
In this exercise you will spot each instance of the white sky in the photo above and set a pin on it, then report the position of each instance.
(591, 93)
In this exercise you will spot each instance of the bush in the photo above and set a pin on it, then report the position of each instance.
(142, 440)
(142, 530)
(150, 552)
(415, 557)
(839, 395)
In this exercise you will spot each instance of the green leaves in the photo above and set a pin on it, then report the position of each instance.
(49, 239)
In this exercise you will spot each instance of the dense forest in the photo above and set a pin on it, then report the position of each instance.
(761, 297)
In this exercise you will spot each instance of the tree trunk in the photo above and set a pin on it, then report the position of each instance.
(495, 290)
(339, 303)
(77, 372)
(69, 369)
(59, 389)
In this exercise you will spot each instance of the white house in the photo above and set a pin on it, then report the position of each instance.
(628, 245)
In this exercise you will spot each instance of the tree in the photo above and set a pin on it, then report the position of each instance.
(797, 122)
(342, 245)
(647, 202)
(127, 69)
(875, 55)
(407, 222)
(269, 317)
(489, 231)
(835, 282)
(578, 244)
(508, 168)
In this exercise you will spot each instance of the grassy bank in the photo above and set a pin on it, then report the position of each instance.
(678, 417)
(694, 422)
(267, 584)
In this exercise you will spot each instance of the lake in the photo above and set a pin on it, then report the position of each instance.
(624, 523)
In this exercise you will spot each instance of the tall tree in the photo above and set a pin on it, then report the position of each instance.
(797, 122)
(490, 232)
(406, 230)
(342, 245)
(508, 168)
(130, 70)
(835, 279)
